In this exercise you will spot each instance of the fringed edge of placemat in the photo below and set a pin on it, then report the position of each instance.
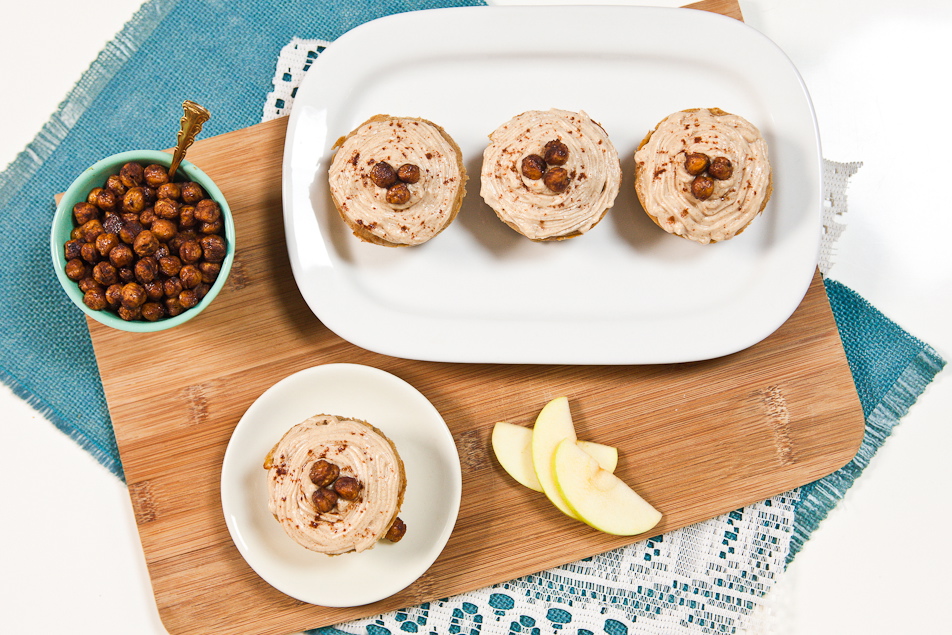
(820, 497)
(47, 410)
(116, 53)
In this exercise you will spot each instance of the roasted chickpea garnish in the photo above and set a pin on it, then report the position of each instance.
(702, 188)
(556, 179)
(383, 174)
(408, 173)
(398, 194)
(324, 500)
(696, 162)
(533, 167)
(721, 168)
(323, 473)
(348, 488)
(137, 247)
(397, 530)
(555, 153)
(704, 169)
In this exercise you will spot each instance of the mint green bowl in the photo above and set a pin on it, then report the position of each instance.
(95, 176)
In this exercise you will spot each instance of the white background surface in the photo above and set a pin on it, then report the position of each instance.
(878, 74)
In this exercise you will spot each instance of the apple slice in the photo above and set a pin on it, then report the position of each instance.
(598, 497)
(512, 445)
(553, 426)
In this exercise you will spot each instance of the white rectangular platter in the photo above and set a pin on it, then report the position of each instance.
(624, 293)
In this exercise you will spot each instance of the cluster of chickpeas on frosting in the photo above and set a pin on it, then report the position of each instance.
(331, 487)
(144, 247)
(395, 181)
(704, 169)
(535, 167)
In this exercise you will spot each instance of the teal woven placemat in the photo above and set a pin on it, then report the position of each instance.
(47, 356)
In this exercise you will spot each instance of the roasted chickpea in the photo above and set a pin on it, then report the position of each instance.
(172, 287)
(163, 229)
(129, 315)
(155, 175)
(150, 195)
(210, 271)
(76, 234)
(126, 274)
(533, 167)
(147, 217)
(146, 269)
(207, 211)
(324, 500)
(105, 273)
(696, 162)
(88, 284)
(721, 168)
(215, 227)
(173, 307)
(556, 179)
(192, 192)
(132, 296)
(398, 194)
(114, 295)
(348, 488)
(105, 243)
(555, 153)
(115, 184)
(93, 195)
(190, 251)
(72, 248)
(187, 217)
(162, 251)
(76, 270)
(167, 208)
(112, 223)
(169, 190)
(702, 188)
(89, 253)
(190, 276)
(408, 173)
(170, 265)
(188, 298)
(213, 247)
(397, 530)
(152, 311)
(383, 174)
(131, 174)
(145, 243)
(130, 230)
(323, 473)
(121, 255)
(95, 299)
(202, 290)
(91, 230)
(107, 200)
(154, 291)
(84, 212)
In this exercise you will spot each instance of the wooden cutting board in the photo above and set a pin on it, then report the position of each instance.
(698, 439)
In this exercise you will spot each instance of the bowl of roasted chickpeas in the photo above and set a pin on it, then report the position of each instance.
(138, 252)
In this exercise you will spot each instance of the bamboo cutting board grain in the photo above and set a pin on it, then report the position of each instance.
(697, 440)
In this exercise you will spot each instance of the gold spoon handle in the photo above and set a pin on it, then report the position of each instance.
(191, 124)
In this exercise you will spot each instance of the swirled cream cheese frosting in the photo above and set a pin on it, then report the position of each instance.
(550, 174)
(397, 181)
(703, 174)
(335, 484)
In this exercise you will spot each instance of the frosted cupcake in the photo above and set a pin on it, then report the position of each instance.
(550, 174)
(703, 174)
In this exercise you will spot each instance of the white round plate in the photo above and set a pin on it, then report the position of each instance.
(430, 507)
